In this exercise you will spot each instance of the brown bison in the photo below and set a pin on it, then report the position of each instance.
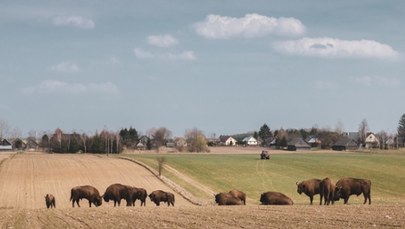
(275, 198)
(138, 194)
(87, 192)
(309, 187)
(50, 201)
(225, 198)
(265, 155)
(348, 186)
(162, 196)
(327, 191)
(238, 194)
(116, 192)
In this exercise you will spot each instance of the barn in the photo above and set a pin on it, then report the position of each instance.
(298, 144)
(5, 145)
(345, 143)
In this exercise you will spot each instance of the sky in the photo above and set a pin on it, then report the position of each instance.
(223, 67)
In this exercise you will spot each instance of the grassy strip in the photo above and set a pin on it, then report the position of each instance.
(246, 172)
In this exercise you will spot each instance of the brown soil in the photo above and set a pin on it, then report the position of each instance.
(26, 178)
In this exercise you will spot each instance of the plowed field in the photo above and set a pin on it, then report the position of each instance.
(26, 178)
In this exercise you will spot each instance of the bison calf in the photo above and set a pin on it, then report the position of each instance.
(309, 187)
(139, 194)
(50, 201)
(162, 196)
(239, 194)
(275, 198)
(87, 192)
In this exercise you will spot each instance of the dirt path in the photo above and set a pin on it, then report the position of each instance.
(26, 178)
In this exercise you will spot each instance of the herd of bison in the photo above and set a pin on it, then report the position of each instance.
(328, 191)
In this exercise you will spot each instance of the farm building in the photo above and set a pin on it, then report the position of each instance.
(5, 145)
(227, 140)
(250, 141)
(345, 143)
(372, 141)
(314, 141)
(297, 144)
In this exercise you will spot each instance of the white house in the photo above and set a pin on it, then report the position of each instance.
(250, 141)
(227, 140)
(372, 141)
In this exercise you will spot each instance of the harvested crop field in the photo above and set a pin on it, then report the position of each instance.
(26, 178)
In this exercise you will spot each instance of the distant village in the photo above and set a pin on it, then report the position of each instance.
(195, 141)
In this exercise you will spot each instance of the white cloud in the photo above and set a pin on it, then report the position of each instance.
(65, 67)
(163, 41)
(185, 55)
(377, 81)
(249, 26)
(336, 48)
(74, 21)
(60, 87)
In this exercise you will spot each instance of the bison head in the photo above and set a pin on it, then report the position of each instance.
(262, 198)
(338, 193)
(98, 201)
(300, 187)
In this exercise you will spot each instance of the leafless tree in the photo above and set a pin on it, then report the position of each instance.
(161, 161)
(160, 136)
(196, 141)
(363, 130)
(4, 128)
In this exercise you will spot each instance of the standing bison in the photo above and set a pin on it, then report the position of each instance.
(162, 196)
(87, 192)
(309, 187)
(226, 198)
(116, 192)
(264, 155)
(138, 194)
(327, 191)
(50, 201)
(238, 194)
(275, 198)
(348, 186)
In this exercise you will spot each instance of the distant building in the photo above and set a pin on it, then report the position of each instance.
(297, 144)
(250, 141)
(227, 140)
(345, 143)
(5, 145)
(372, 142)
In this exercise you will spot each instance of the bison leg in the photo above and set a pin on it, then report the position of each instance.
(367, 196)
(311, 198)
(77, 203)
(89, 203)
(346, 199)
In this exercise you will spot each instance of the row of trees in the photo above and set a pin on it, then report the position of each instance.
(115, 142)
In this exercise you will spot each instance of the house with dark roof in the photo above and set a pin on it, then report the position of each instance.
(5, 145)
(345, 143)
(297, 144)
(227, 140)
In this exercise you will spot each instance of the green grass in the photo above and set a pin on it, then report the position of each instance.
(253, 176)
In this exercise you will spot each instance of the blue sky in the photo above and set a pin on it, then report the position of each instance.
(223, 67)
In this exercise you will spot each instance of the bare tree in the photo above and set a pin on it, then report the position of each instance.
(160, 136)
(161, 161)
(196, 141)
(339, 128)
(4, 128)
(363, 130)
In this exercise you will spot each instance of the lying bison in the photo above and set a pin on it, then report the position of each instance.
(238, 194)
(327, 191)
(348, 186)
(162, 196)
(275, 198)
(138, 194)
(116, 192)
(50, 201)
(309, 187)
(226, 198)
(87, 192)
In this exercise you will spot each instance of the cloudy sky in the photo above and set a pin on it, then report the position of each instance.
(224, 67)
